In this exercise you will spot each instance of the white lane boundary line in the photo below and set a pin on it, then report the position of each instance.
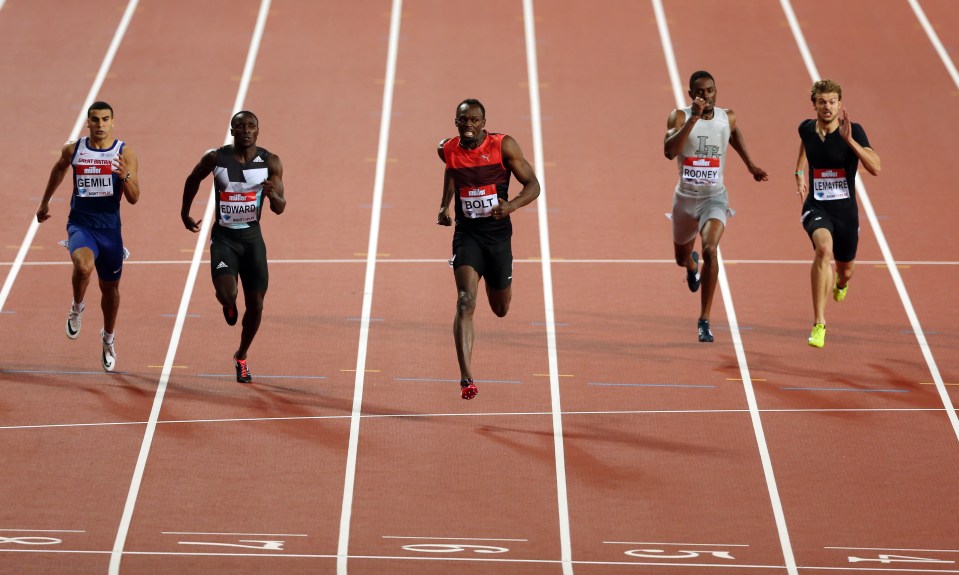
(773, 489)
(890, 261)
(77, 128)
(346, 513)
(532, 68)
(476, 414)
(934, 38)
(913, 318)
(526, 261)
(124, 527)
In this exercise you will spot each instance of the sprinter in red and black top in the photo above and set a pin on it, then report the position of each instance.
(478, 167)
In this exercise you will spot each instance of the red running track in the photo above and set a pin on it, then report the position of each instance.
(605, 439)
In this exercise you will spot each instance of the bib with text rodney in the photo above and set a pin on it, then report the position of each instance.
(701, 171)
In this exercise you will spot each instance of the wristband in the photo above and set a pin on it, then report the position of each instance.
(126, 177)
(798, 172)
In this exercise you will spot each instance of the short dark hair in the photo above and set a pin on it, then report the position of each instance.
(699, 74)
(99, 105)
(472, 102)
(248, 113)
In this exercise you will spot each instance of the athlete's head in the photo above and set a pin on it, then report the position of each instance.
(470, 120)
(99, 105)
(826, 96)
(702, 85)
(244, 127)
(100, 121)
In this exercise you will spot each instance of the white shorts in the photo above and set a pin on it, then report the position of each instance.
(691, 214)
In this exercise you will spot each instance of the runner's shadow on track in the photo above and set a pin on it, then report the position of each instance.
(121, 393)
(581, 456)
(907, 390)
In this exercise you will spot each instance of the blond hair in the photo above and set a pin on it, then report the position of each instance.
(825, 87)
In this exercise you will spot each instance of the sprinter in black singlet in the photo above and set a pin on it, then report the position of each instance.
(104, 168)
(832, 146)
(478, 168)
(243, 175)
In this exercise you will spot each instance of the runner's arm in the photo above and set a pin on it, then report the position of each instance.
(449, 188)
(678, 127)
(56, 177)
(202, 169)
(127, 167)
(868, 156)
(738, 143)
(273, 186)
(802, 182)
(515, 162)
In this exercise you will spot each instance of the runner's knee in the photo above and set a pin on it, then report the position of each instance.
(465, 303)
(709, 251)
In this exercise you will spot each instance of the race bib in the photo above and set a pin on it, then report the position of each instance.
(702, 171)
(237, 207)
(830, 184)
(94, 179)
(478, 202)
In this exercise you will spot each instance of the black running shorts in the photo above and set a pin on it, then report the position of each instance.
(844, 229)
(240, 253)
(494, 262)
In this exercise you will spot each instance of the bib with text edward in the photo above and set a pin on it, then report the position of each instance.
(701, 171)
(478, 202)
(237, 207)
(830, 184)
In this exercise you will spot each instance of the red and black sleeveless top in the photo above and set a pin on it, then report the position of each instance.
(482, 182)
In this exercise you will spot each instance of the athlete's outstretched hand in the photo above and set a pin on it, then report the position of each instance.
(190, 224)
(845, 126)
(758, 173)
(43, 213)
(444, 219)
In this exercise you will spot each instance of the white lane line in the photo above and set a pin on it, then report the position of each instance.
(934, 38)
(478, 414)
(775, 502)
(890, 261)
(346, 513)
(42, 531)
(560, 261)
(80, 123)
(895, 549)
(920, 337)
(532, 69)
(125, 520)
(676, 544)
(238, 534)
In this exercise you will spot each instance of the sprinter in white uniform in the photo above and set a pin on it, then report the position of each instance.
(697, 136)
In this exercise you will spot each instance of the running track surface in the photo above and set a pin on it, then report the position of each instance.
(605, 439)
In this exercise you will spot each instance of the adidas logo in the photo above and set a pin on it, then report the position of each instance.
(257, 159)
(221, 265)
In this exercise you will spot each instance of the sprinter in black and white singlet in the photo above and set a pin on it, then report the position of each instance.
(697, 137)
(104, 171)
(832, 146)
(243, 176)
